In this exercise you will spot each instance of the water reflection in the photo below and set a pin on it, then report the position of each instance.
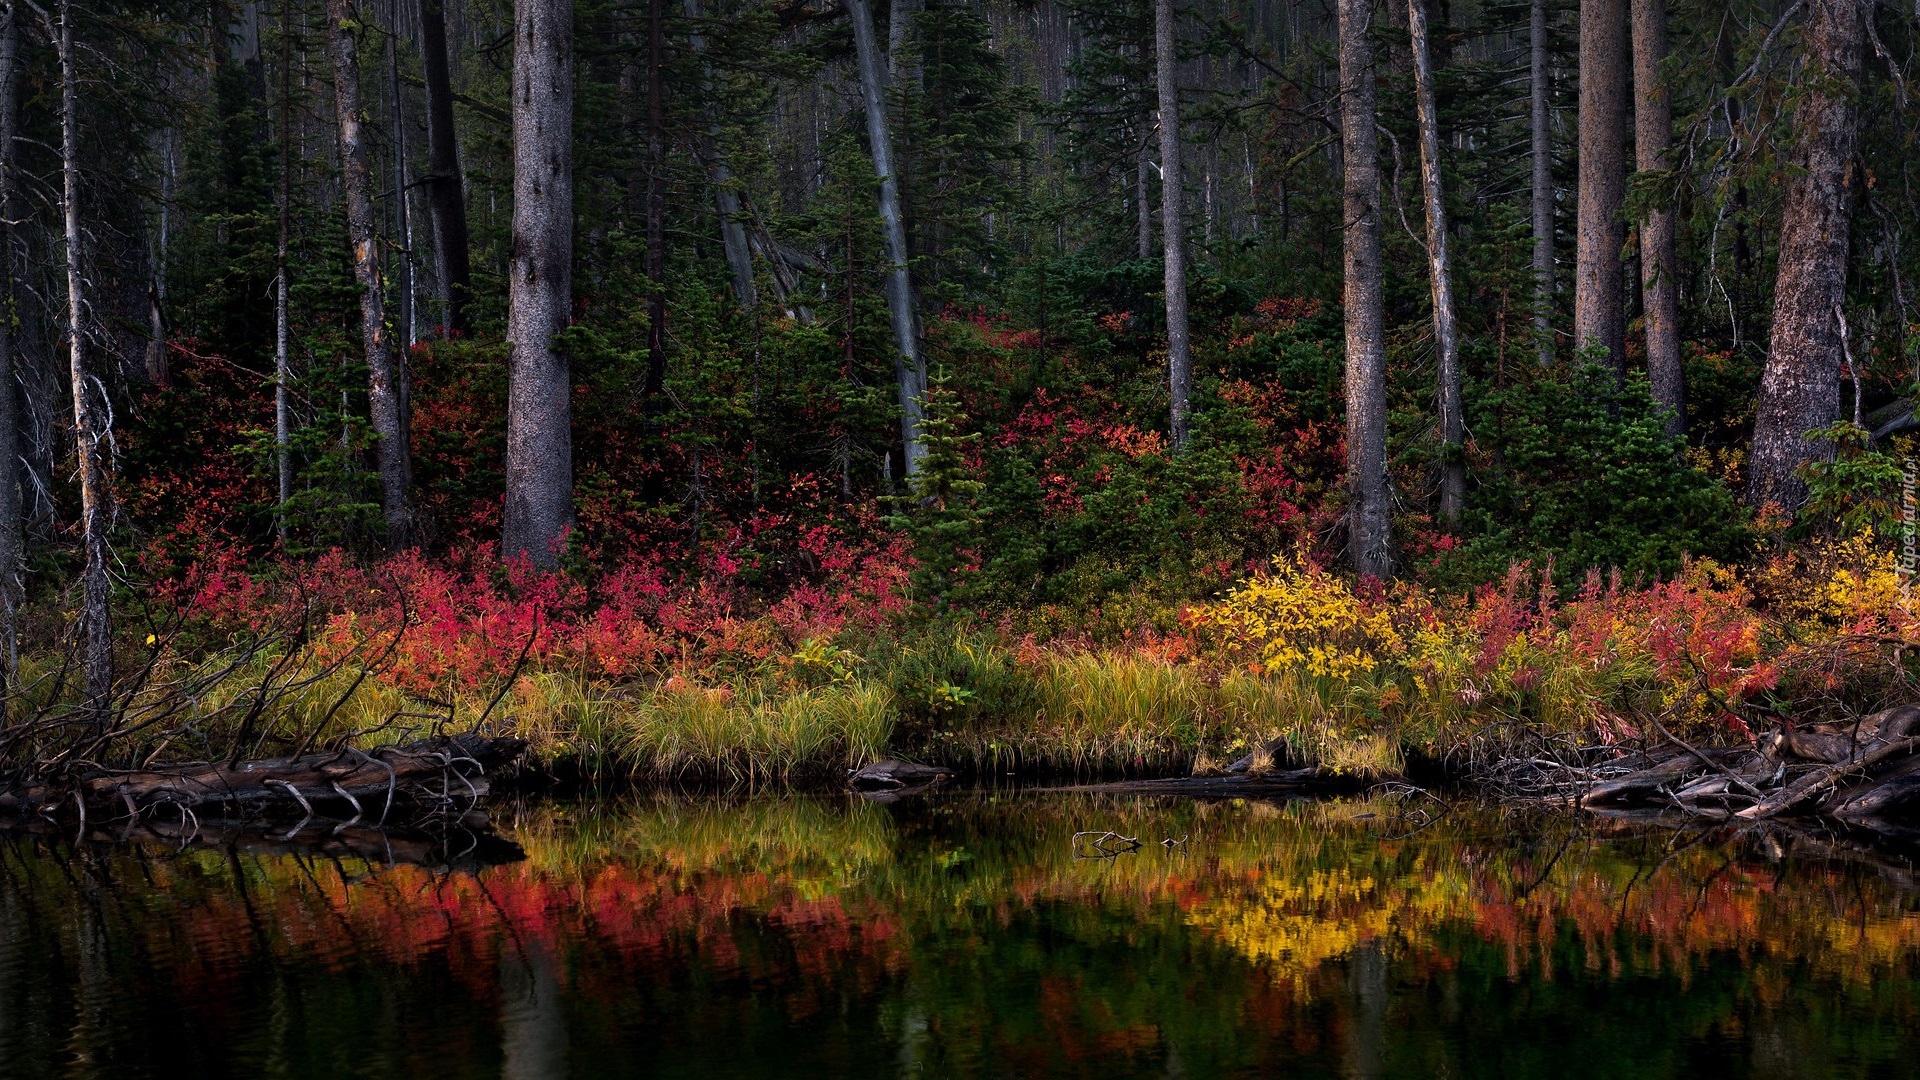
(827, 937)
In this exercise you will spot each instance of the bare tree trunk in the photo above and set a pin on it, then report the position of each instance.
(1368, 515)
(909, 367)
(402, 220)
(1446, 336)
(384, 402)
(1542, 131)
(1599, 300)
(282, 309)
(1800, 386)
(1659, 281)
(446, 201)
(1143, 202)
(11, 521)
(89, 433)
(903, 71)
(733, 232)
(156, 361)
(654, 393)
(539, 467)
(1173, 223)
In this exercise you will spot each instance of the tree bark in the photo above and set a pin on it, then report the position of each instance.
(1446, 335)
(156, 360)
(10, 486)
(1599, 296)
(402, 219)
(356, 184)
(1800, 385)
(909, 368)
(446, 199)
(282, 309)
(539, 508)
(654, 391)
(1368, 515)
(733, 231)
(1143, 202)
(1659, 270)
(1173, 224)
(89, 430)
(1542, 132)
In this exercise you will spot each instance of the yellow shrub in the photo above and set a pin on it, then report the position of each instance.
(1302, 618)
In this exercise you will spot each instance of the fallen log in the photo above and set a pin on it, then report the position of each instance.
(439, 771)
(1816, 783)
(1280, 783)
(1860, 771)
(894, 776)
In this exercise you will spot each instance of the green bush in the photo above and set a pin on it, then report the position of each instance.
(1578, 468)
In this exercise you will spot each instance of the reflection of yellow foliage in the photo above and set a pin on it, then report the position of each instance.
(1294, 925)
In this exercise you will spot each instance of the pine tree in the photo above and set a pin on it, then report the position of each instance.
(942, 510)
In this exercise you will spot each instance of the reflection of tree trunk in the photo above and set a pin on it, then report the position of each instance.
(1173, 222)
(1446, 337)
(1800, 387)
(1367, 518)
(1542, 121)
(533, 1018)
(1366, 1033)
(1599, 300)
(1652, 138)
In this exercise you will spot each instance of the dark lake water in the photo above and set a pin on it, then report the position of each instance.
(801, 937)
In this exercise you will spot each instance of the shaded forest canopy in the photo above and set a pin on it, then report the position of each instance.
(1057, 316)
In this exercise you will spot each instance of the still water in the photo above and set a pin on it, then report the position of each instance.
(802, 937)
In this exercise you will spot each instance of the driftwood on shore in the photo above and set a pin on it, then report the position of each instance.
(351, 784)
(1863, 772)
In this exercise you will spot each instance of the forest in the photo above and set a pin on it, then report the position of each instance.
(740, 390)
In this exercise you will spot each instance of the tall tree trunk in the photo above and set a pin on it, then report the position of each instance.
(1800, 386)
(655, 389)
(1446, 336)
(156, 360)
(402, 219)
(446, 201)
(1542, 130)
(282, 308)
(1659, 270)
(11, 520)
(1368, 515)
(903, 70)
(1173, 223)
(1143, 201)
(1599, 300)
(733, 231)
(384, 402)
(539, 468)
(909, 368)
(89, 430)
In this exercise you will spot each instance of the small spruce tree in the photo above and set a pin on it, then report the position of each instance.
(942, 508)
